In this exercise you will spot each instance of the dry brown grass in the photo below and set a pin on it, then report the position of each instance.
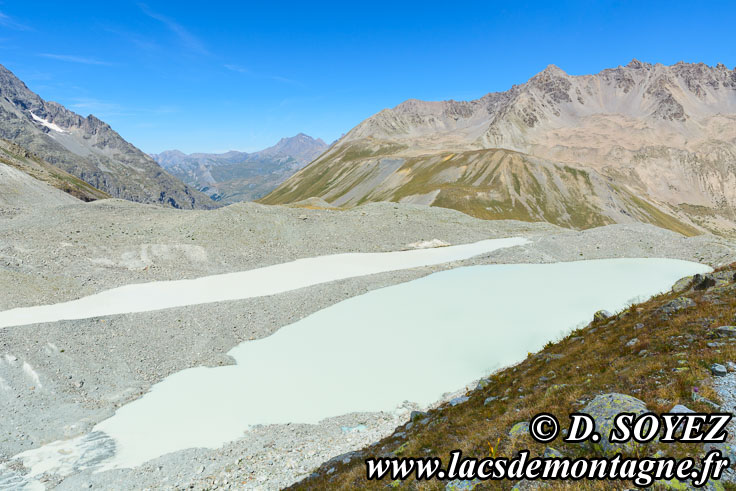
(594, 360)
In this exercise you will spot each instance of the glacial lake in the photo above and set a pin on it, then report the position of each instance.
(414, 341)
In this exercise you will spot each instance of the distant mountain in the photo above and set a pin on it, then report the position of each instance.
(302, 148)
(649, 143)
(240, 176)
(87, 148)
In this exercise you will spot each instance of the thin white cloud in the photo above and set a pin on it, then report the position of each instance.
(94, 105)
(239, 69)
(246, 71)
(188, 39)
(141, 42)
(107, 108)
(10, 23)
(74, 59)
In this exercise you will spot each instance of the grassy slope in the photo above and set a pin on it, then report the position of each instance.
(489, 184)
(590, 361)
(319, 176)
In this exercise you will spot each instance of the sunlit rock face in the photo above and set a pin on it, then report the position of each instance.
(647, 143)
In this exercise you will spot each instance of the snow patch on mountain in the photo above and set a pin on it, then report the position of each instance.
(48, 124)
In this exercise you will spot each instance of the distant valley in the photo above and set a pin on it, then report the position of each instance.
(239, 176)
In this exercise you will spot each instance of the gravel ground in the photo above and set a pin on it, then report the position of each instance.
(60, 379)
(726, 389)
(52, 255)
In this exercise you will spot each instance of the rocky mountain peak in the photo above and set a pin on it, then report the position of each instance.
(552, 71)
(301, 147)
(639, 90)
(636, 64)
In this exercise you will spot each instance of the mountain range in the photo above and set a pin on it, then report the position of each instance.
(86, 148)
(240, 176)
(641, 142)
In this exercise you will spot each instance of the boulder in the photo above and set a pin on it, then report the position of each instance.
(553, 356)
(718, 370)
(344, 458)
(676, 305)
(703, 282)
(603, 409)
(462, 485)
(458, 400)
(552, 453)
(726, 331)
(727, 449)
(717, 279)
(682, 285)
(482, 384)
(489, 400)
(680, 409)
(548, 376)
(519, 429)
(698, 397)
(601, 315)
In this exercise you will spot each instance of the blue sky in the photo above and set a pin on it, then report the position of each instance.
(214, 76)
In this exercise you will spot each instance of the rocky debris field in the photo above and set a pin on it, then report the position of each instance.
(60, 379)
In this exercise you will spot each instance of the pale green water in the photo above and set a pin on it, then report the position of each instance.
(413, 341)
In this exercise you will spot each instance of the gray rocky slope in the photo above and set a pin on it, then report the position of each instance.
(87, 148)
(241, 176)
(40, 176)
(18, 188)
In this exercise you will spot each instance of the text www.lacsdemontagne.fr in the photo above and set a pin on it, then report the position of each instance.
(640, 471)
